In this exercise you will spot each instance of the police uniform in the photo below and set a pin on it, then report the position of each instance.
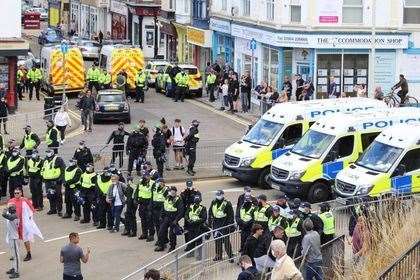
(33, 167)
(211, 81)
(221, 215)
(328, 232)
(34, 77)
(130, 224)
(29, 142)
(191, 141)
(20, 82)
(88, 192)
(173, 211)
(3, 172)
(15, 170)
(294, 234)
(245, 219)
(318, 224)
(103, 183)
(52, 174)
(52, 138)
(72, 178)
(104, 80)
(93, 77)
(83, 155)
(141, 78)
(159, 193)
(262, 214)
(137, 144)
(181, 80)
(143, 194)
(194, 222)
(117, 136)
(159, 148)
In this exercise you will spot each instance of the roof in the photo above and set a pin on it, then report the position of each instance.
(401, 136)
(13, 47)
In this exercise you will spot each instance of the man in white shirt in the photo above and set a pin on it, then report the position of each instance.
(178, 143)
(117, 199)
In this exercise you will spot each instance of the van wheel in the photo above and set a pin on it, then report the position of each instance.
(319, 192)
(127, 120)
(264, 179)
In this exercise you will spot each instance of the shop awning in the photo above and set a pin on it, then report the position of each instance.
(167, 28)
(13, 47)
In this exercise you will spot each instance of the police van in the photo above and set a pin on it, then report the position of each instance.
(390, 164)
(331, 144)
(249, 159)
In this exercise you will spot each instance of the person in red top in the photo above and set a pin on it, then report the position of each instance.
(27, 227)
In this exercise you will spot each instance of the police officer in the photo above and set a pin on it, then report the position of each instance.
(143, 194)
(141, 79)
(88, 192)
(282, 203)
(211, 82)
(189, 193)
(15, 170)
(241, 198)
(72, 179)
(159, 148)
(194, 222)
(52, 137)
(181, 80)
(20, 81)
(130, 225)
(305, 212)
(117, 138)
(34, 76)
(93, 76)
(3, 172)
(263, 212)
(191, 141)
(104, 209)
(276, 219)
(52, 174)
(159, 193)
(221, 215)
(104, 80)
(136, 148)
(33, 166)
(173, 211)
(328, 221)
(245, 219)
(30, 141)
(294, 234)
(115, 171)
(83, 155)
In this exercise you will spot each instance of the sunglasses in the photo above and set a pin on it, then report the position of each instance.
(17, 192)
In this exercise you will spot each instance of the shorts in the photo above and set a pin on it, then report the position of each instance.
(178, 148)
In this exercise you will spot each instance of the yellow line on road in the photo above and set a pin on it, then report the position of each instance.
(213, 110)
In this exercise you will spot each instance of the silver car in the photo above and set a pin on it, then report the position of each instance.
(89, 49)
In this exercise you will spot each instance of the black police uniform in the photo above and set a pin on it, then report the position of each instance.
(53, 187)
(159, 194)
(220, 215)
(266, 211)
(159, 147)
(83, 157)
(33, 137)
(17, 180)
(33, 167)
(89, 194)
(173, 211)
(130, 224)
(316, 220)
(104, 210)
(248, 208)
(54, 138)
(136, 147)
(3, 172)
(119, 173)
(143, 195)
(70, 188)
(191, 141)
(194, 223)
(117, 136)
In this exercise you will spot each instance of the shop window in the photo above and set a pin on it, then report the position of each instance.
(199, 9)
(328, 65)
(172, 4)
(287, 62)
(411, 160)
(246, 8)
(270, 10)
(412, 11)
(352, 11)
(355, 72)
(224, 5)
(271, 66)
(295, 14)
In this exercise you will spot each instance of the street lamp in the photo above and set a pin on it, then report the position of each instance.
(373, 45)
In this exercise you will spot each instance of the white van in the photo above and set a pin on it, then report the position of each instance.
(390, 164)
(250, 158)
(331, 144)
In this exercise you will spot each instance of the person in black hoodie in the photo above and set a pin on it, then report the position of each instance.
(159, 147)
(130, 224)
(117, 136)
(72, 175)
(191, 141)
(3, 114)
(262, 256)
(83, 155)
(136, 147)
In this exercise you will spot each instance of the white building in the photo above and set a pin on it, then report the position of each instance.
(319, 39)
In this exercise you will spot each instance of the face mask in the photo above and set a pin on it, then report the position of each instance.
(172, 193)
(81, 146)
(247, 194)
(15, 154)
(49, 154)
(107, 174)
(301, 209)
(120, 128)
(219, 197)
(89, 169)
(112, 169)
(72, 163)
(189, 188)
(114, 183)
(34, 155)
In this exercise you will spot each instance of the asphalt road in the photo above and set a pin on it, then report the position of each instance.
(113, 256)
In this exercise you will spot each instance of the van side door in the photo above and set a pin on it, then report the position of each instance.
(340, 155)
(406, 176)
(287, 139)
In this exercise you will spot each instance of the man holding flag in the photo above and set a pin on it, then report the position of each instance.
(27, 227)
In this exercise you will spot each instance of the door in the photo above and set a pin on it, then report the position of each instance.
(409, 182)
(339, 156)
(304, 70)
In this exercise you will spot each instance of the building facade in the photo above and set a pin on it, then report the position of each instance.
(320, 39)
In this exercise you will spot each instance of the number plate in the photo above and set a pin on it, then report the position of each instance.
(276, 187)
(227, 173)
(112, 108)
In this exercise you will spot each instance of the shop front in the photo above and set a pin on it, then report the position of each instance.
(222, 42)
(184, 51)
(199, 41)
(168, 40)
(119, 16)
(75, 16)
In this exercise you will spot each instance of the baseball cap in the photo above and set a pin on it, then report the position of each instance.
(220, 192)
(262, 197)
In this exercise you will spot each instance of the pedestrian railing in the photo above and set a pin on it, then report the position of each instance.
(407, 266)
(184, 263)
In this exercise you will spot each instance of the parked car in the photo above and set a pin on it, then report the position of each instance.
(195, 83)
(111, 104)
(28, 61)
(152, 69)
(42, 11)
(89, 49)
(50, 36)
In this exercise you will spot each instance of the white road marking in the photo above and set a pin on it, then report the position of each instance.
(233, 190)
(1, 253)
(66, 236)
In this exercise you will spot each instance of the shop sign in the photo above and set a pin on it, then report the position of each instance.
(321, 41)
(103, 3)
(118, 7)
(220, 25)
(196, 36)
(329, 11)
(385, 69)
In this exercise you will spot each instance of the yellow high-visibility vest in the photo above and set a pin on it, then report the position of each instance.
(194, 215)
(259, 214)
(87, 182)
(169, 204)
(219, 212)
(69, 175)
(104, 186)
(329, 222)
(49, 172)
(245, 215)
(28, 142)
(291, 230)
(12, 164)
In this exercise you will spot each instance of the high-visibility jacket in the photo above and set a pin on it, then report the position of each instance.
(19, 76)
(69, 175)
(211, 79)
(141, 79)
(28, 142)
(49, 171)
(273, 222)
(93, 74)
(182, 79)
(104, 78)
(34, 166)
(104, 185)
(194, 215)
(291, 230)
(169, 204)
(145, 191)
(219, 212)
(12, 163)
(167, 78)
(48, 139)
(87, 180)
(159, 195)
(259, 214)
(246, 215)
(34, 75)
(329, 222)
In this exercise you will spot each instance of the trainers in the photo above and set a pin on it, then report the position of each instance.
(159, 249)
(14, 275)
(76, 218)
(150, 239)
(28, 257)
(10, 271)
(142, 237)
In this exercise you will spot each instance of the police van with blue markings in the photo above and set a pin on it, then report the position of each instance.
(330, 145)
(249, 159)
(390, 164)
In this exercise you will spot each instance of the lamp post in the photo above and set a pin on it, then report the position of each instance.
(373, 47)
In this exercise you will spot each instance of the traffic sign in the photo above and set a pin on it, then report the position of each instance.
(253, 45)
(64, 47)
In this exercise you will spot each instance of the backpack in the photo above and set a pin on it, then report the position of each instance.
(180, 128)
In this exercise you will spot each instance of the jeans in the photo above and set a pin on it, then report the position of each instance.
(225, 101)
(245, 101)
(313, 271)
(87, 114)
(75, 277)
(62, 130)
(116, 214)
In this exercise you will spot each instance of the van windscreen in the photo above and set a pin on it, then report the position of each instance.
(263, 132)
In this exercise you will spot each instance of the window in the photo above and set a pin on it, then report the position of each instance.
(367, 139)
(352, 11)
(172, 4)
(224, 5)
(344, 146)
(295, 13)
(411, 160)
(270, 10)
(292, 134)
(271, 66)
(412, 11)
(246, 8)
